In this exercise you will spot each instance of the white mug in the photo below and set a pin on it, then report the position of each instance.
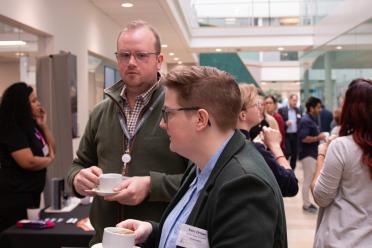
(116, 237)
(33, 213)
(107, 182)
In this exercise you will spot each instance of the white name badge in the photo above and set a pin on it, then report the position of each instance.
(45, 150)
(192, 237)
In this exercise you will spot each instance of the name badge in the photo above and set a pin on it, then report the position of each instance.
(192, 237)
(45, 150)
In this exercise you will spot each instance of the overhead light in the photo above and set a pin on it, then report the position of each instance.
(127, 5)
(171, 54)
(280, 48)
(12, 43)
(338, 47)
(19, 54)
(289, 21)
(179, 62)
(218, 49)
(176, 58)
(164, 45)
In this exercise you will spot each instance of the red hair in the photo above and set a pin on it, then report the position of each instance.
(356, 117)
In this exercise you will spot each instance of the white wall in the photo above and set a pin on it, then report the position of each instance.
(280, 71)
(76, 27)
(345, 16)
(9, 73)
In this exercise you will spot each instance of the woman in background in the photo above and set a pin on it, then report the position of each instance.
(342, 185)
(270, 149)
(271, 107)
(266, 120)
(26, 148)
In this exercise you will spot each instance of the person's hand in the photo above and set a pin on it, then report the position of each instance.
(289, 123)
(87, 179)
(142, 229)
(322, 136)
(271, 137)
(41, 117)
(51, 155)
(131, 191)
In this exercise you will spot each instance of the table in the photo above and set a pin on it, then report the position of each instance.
(61, 235)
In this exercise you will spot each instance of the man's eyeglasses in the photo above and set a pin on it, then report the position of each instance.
(165, 112)
(139, 56)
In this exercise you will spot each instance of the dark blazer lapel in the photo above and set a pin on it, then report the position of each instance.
(235, 144)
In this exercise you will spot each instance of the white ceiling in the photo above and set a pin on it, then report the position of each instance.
(158, 14)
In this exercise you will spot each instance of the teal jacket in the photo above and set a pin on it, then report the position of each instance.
(102, 145)
(240, 205)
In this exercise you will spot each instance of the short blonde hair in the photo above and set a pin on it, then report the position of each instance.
(248, 93)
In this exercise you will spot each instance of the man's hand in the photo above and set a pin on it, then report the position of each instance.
(87, 179)
(322, 136)
(131, 191)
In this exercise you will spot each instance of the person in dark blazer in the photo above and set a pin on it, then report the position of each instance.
(228, 196)
(291, 116)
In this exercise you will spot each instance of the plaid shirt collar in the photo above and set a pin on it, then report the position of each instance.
(144, 97)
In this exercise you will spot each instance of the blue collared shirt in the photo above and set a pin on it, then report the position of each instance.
(182, 210)
(292, 115)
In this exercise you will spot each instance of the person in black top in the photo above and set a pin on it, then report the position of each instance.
(26, 148)
(270, 149)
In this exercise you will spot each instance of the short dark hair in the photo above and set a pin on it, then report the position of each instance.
(312, 102)
(272, 98)
(292, 95)
(15, 108)
(138, 24)
(208, 88)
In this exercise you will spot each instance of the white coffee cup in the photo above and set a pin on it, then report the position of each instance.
(116, 237)
(33, 213)
(108, 181)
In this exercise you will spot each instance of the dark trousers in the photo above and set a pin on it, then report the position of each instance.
(291, 145)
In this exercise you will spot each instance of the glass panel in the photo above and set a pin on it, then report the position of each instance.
(327, 71)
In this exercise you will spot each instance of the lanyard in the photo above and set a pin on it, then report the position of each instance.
(126, 158)
(141, 122)
(39, 136)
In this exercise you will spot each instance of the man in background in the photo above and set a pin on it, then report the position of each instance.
(309, 135)
(291, 116)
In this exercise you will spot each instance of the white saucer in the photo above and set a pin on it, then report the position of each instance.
(101, 193)
(99, 245)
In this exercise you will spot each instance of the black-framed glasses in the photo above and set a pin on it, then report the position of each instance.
(165, 112)
(139, 56)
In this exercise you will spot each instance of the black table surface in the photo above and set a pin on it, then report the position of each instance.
(61, 235)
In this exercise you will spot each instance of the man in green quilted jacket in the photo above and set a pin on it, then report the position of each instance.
(123, 136)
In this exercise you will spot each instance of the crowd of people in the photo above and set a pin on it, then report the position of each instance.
(200, 151)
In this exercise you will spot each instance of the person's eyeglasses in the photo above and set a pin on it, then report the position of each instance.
(139, 56)
(267, 103)
(165, 112)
